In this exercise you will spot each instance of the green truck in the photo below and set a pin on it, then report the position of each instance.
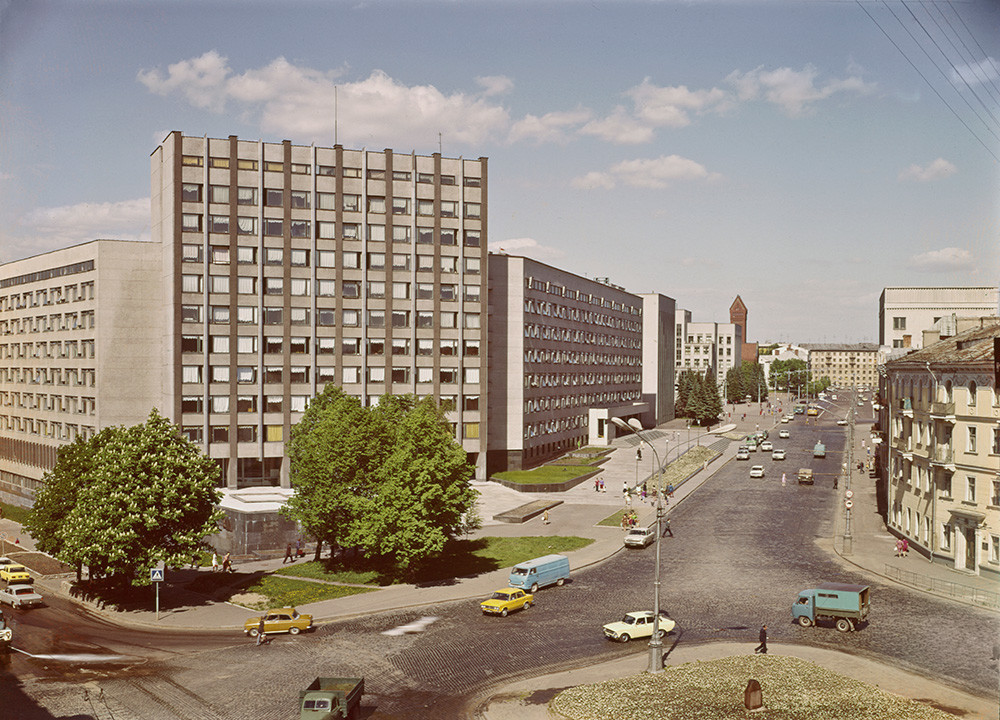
(846, 605)
(331, 697)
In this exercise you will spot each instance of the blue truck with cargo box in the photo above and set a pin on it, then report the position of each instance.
(327, 698)
(542, 571)
(846, 605)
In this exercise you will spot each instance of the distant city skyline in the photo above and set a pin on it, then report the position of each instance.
(801, 155)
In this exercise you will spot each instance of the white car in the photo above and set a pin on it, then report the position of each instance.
(637, 625)
(783, 433)
(20, 596)
(640, 536)
(842, 421)
(766, 446)
(6, 561)
(777, 454)
(786, 418)
(742, 454)
(757, 471)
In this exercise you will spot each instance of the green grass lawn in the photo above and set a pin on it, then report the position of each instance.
(614, 520)
(589, 461)
(14, 512)
(544, 474)
(289, 592)
(461, 558)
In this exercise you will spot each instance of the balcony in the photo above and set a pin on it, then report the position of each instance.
(943, 411)
(944, 455)
(905, 406)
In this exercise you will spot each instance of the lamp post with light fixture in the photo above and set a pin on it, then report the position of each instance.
(655, 642)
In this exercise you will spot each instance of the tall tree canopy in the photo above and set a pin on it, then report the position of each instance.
(142, 495)
(390, 479)
(747, 379)
(792, 374)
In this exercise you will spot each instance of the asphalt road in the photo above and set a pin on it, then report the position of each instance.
(741, 551)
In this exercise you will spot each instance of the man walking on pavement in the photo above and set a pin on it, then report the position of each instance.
(762, 648)
(666, 527)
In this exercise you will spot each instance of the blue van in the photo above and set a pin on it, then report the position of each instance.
(533, 574)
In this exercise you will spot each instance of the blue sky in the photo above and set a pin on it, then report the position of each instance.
(803, 155)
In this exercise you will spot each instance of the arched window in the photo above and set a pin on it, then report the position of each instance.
(948, 397)
(973, 389)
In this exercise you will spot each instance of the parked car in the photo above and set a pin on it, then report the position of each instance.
(640, 536)
(777, 454)
(286, 619)
(784, 434)
(6, 561)
(637, 625)
(15, 574)
(743, 453)
(20, 596)
(766, 446)
(757, 471)
(506, 600)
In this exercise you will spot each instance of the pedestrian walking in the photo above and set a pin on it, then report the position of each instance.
(288, 554)
(905, 546)
(603, 489)
(227, 563)
(666, 528)
(670, 490)
(597, 485)
(545, 517)
(784, 479)
(899, 547)
(762, 648)
(299, 552)
(261, 635)
(215, 562)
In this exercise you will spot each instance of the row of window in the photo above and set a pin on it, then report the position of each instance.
(579, 335)
(923, 438)
(556, 425)
(48, 296)
(56, 322)
(349, 259)
(915, 526)
(349, 317)
(224, 163)
(349, 289)
(574, 357)
(222, 404)
(533, 380)
(920, 392)
(328, 345)
(271, 433)
(52, 429)
(44, 349)
(247, 374)
(303, 200)
(566, 312)
(77, 377)
(275, 227)
(49, 402)
(553, 288)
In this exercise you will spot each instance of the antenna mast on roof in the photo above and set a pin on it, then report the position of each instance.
(335, 109)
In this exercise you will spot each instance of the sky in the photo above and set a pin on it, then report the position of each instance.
(803, 155)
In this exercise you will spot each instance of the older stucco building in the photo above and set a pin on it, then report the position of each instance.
(940, 422)
(905, 312)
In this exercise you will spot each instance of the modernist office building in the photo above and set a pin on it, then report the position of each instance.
(566, 353)
(79, 352)
(905, 312)
(287, 267)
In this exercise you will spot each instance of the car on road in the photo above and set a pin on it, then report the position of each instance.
(637, 625)
(640, 537)
(14, 574)
(281, 620)
(752, 447)
(757, 471)
(20, 596)
(842, 421)
(777, 454)
(507, 600)
(6, 561)
(766, 446)
(743, 453)
(784, 434)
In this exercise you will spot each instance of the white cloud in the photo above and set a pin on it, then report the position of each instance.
(45, 229)
(647, 173)
(936, 170)
(301, 102)
(550, 127)
(946, 259)
(528, 247)
(619, 128)
(672, 106)
(984, 71)
(795, 91)
(495, 84)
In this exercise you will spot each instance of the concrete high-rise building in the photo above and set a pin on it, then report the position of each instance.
(286, 267)
(566, 354)
(904, 313)
(701, 346)
(80, 350)
(846, 364)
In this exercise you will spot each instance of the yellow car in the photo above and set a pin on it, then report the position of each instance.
(15, 574)
(507, 600)
(278, 621)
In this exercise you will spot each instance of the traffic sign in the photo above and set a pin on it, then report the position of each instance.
(848, 504)
(849, 494)
(156, 574)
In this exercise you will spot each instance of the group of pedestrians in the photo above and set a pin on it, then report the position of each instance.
(902, 547)
(227, 563)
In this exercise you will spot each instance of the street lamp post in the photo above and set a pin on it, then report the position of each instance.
(655, 642)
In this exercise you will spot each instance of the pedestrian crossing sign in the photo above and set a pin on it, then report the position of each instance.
(156, 574)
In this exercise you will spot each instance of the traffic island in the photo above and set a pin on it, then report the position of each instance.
(523, 513)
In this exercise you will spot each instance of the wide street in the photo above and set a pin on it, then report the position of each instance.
(742, 549)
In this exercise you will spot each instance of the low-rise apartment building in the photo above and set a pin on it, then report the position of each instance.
(940, 427)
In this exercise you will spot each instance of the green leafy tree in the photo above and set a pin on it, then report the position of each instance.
(423, 491)
(334, 452)
(709, 402)
(144, 495)
(789, 375)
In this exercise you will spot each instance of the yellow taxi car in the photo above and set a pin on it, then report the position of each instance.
(282, 620)
(507, 600)
(15, 574)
